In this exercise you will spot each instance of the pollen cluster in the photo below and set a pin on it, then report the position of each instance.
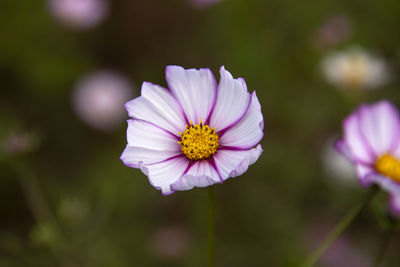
(388, 166)
(198, 141)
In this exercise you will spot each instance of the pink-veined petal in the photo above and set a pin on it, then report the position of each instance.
(364, 173)
(232, 101)
(135, 157)
(248, 132)
(355, 140)
(394, 204)
(200, 174)
(342, 147)
(386, 183)
(232, 163)
(196, 91)
(158, 106)
(145, 134)
(380, 124)
(162, 175)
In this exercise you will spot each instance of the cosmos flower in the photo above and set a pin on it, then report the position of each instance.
(197, 133)
(99, 97)
(371, 142)
(355, 69)
(79, 14)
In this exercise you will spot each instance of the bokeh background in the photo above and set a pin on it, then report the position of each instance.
(68, 66)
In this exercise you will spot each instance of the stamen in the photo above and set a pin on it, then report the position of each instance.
(199, 141)
(388, 166)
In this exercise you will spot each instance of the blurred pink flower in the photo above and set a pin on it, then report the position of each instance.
(203, 3)
(99, 98)
(341, 253)
(196, 134)
(170, 242)
(372, 143)
(334, 30)
(79, 14)
(20, 143)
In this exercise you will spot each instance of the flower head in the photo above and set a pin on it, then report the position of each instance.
(355, 69)
(371, 143)
(197, 133)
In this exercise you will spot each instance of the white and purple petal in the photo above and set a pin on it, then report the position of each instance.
(247, 132)
(342, 147)
(386, 183)
(135, 157)
(196, 91)
(147, 135)
(163, 174)
(158, 106)
(380, 124)
(394, 205)
(199, 174)
(364, 173)
(148, 143)
(233, 101)
(356, 141)
(232, 163)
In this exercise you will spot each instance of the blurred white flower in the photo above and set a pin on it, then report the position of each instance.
(79, 14)
(337, 168)
(355, 68)
(334, 30)
(99, 99)
(203, 3)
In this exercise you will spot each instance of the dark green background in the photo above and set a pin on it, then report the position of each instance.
(273, 215)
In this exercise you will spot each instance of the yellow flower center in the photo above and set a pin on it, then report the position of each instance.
(198, 141)
(388, 166)
(356, 72)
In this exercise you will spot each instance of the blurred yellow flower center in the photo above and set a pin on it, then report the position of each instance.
(356, 71)
(388, 166)
(199, 141)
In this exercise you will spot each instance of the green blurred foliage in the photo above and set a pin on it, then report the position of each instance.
(105, 214)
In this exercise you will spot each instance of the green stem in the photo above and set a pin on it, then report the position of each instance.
(387, 235)
(38, 204)
(34, 195)
(340, 227)
(211, 227)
